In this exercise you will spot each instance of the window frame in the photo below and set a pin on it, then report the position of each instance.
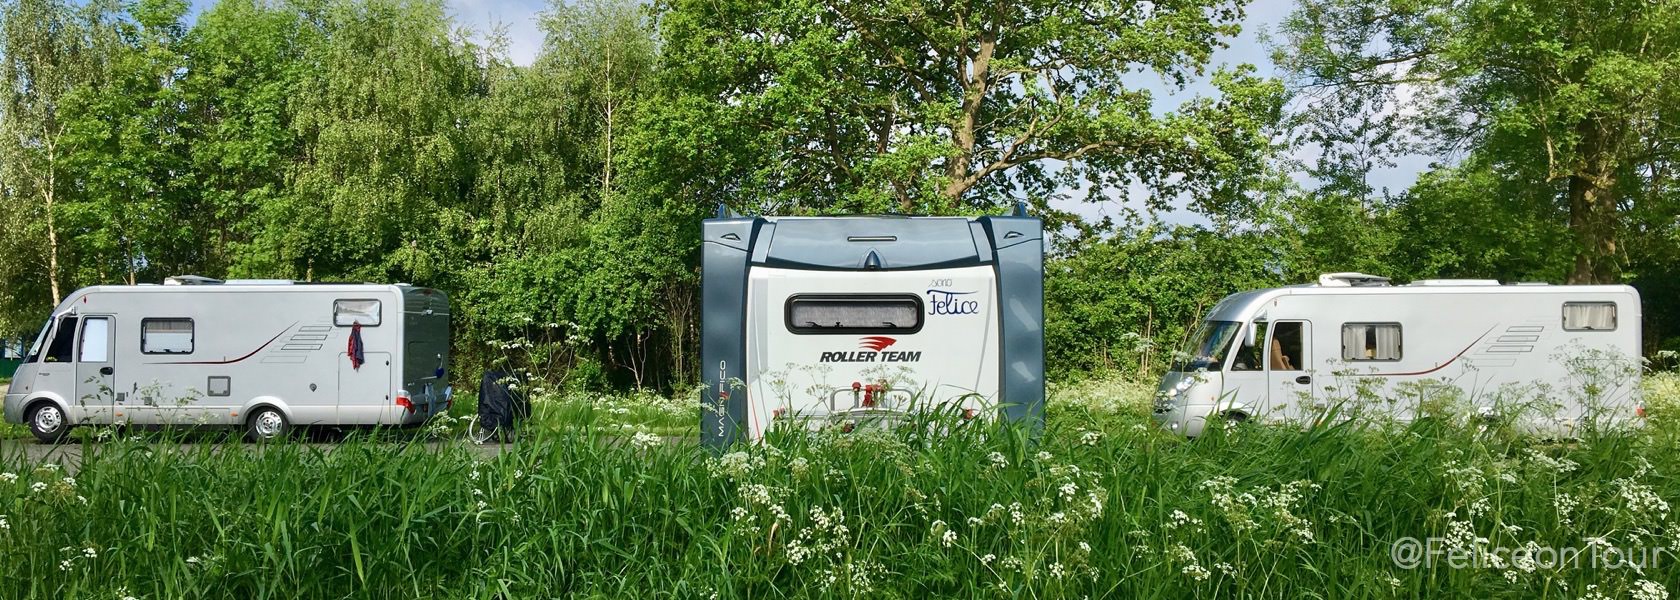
(911, 299)
(1400, 352)
(378, 311)
(192, 336)
(47, 354)
(81, 339)
(1615, 314)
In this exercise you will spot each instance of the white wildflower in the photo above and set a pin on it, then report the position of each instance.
(1594, 594)
(38, 487)
(1649, 590)
(1196, 572)
(9, 477)
(949, 538)
(645, 440)
(987, 559)
(998, 460)
(1068, 490)
(1043, 456)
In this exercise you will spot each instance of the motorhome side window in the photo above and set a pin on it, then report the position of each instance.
(1589, 316)
(861, 313)
(351, 312)
(1371, 341)
(63, 342)
(166, 336)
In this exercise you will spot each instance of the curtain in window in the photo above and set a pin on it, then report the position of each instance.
(1353, 342)
(1596, 316)
(1387, 345)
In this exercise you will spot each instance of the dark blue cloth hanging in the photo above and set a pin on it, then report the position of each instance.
(355, 351)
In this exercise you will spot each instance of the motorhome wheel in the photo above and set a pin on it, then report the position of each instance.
(267, 424)
(48, 424)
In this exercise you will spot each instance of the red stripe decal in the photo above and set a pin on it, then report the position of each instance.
(229, 362)
(1443, 365)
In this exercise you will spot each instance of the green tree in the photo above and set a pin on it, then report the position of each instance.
(48, 54)
(244, 62)
(380, 185)
(126, 136)
(939, 107)
(1575, 86)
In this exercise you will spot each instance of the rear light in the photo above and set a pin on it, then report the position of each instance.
(969, 414)
(404, 401)
(1640, 411)
(868, 396)
(779, 413)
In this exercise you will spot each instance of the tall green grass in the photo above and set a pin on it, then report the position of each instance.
(1100, 504)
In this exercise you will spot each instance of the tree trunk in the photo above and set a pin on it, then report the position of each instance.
(52, 225)
(974, 73)
(1593, 214)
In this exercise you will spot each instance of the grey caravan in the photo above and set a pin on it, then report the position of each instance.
(264, 355)
(1358, 343)
(849, 321)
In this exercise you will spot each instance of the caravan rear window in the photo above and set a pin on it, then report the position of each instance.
(1589, 316)
(166, 336)
(1371, 341)
(859, 313)
(351, 312)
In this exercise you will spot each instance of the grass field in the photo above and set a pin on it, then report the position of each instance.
(1101, 506)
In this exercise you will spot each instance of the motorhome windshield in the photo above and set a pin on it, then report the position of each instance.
(1206, 350)
(40, 338)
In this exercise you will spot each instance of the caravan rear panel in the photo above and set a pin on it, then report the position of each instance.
(818, 321)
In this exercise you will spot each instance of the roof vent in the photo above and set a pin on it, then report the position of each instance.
(191, 280)
(1452, 282)
(1351, 280)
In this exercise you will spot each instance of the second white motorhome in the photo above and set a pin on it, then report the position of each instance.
(266, 355)
(1291, 353)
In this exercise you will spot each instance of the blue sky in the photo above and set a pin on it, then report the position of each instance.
(519, 18)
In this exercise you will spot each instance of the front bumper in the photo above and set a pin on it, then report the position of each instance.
(14, 408)
(1185, 419)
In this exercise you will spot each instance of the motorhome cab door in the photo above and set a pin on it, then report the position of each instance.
(1288, 380)
(1272, 375)
(95, 368)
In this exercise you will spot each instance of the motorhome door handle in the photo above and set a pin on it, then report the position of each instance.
(106, 370)
(1303, 380)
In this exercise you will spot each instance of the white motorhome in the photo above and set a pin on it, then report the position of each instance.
(817, 321)
(1290, 354)
(266, 355)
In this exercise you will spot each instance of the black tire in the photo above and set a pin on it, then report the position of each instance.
(1235, 417)
(49, 423)
(267, 423)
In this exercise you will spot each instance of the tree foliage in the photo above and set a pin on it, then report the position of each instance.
(1565, 96)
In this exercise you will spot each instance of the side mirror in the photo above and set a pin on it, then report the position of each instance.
(1248, 335)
